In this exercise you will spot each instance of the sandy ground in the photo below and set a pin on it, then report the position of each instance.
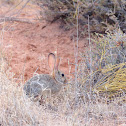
(27, 45)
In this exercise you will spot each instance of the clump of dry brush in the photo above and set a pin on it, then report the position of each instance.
(103, 14)
(107, 70)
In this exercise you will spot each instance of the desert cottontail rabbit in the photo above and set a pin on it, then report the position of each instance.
(42, 84)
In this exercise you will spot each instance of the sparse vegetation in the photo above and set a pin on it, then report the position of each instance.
(101, 72)
(108, 64)
(104, 14)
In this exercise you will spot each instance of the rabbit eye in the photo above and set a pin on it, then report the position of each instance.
(62, 75)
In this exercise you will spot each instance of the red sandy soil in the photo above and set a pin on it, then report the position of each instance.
(27, 45)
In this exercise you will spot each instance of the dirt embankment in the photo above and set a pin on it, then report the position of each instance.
(28, 44)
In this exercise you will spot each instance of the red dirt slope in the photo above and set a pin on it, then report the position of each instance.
(27, 45)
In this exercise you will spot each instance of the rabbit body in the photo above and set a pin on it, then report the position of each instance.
(42, 84)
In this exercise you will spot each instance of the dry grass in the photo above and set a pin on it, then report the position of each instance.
(90, 110)
(16, 109)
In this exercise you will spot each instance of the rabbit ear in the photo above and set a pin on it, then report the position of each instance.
(57, 63)
(51, 61)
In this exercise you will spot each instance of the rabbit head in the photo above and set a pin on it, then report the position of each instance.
(53, 63)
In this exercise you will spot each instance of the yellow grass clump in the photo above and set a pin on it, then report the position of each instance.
(114, 78)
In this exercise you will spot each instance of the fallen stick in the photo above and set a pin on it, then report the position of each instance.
(5, 19)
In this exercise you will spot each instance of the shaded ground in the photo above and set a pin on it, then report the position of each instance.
(28, 44)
